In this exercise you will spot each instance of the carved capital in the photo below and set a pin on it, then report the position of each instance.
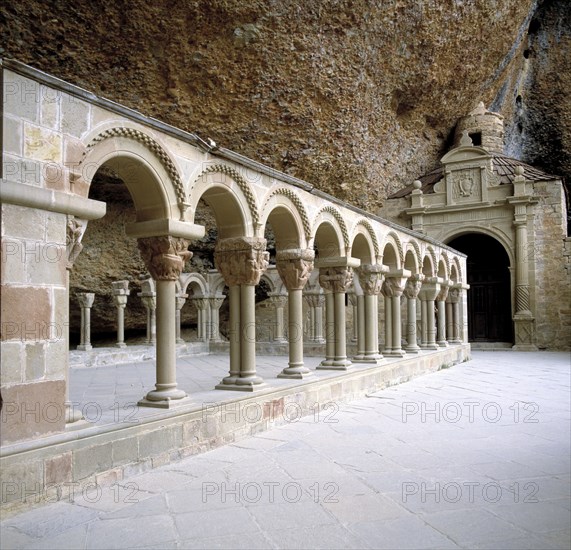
(443, 294)
(314, 299)
(278, 300)
(241, 260)
(85, 299)
(74, 233)
(164, 257)
(371, 278)
(413, 285)
(393, 287)
(150, 302)
(215, 303)
(295, 267)
(201, 303)
(120, 288)
(336, 279)
(454, 295)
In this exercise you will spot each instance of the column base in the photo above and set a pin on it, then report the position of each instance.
(246, 385)
(412, 349)
(84, 347)
(120, 345)
(396, 353)
(164, 403)
(316, 340)
(373, 359)
(358, 358)
(430, 347)
(72, 416)
(180, 341)
(279, 341)
(297, 372)
(524, 347)
(442, 344)
(336, 364)
(164, 393)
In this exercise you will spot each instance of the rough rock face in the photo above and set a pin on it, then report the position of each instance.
(358, 98)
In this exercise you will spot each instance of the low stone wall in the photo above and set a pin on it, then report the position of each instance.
(55, 467)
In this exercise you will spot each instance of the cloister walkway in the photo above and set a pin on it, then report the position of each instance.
(395, 469)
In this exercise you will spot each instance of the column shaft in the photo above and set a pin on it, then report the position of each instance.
(388, 325)
(411, 346)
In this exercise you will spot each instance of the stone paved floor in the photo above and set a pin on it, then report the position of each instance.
(476, 456)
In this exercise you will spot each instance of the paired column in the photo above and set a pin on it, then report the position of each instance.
(120, 295)
(279, 301)
(85, 300)
(441, 314)
(335, 281)
(203, 308)
(428, 293)
(392, 290)
(149, 297)
(242, 261)
(180, 301)
(352, 297)
(165, 258)
(315, 300)
(214, 326)
(411, 290)
(453, 320)
(294, 267)
(371, 281)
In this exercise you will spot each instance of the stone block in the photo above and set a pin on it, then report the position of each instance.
(56, 354)
(54, 176)
(32, 410)
(125, 451)
(11, 265)
(22, 171)
(26, 313)
(73, 150)
(21, 481)
(35, 360)
(156, 442)
(109, 478)
(74, 116)
(21, 97)
(56, 228)
(50, 108)
(92, 459)
(24, 224)
(57, 469)
(12, 136)
(42, 144)
(10, 363)
(49, 265)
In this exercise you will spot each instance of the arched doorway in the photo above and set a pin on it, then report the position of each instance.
(489, 297)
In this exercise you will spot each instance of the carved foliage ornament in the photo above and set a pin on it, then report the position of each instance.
(413, 285)
(393, 287)
(336, 279)
(241, 260)
(164, 257)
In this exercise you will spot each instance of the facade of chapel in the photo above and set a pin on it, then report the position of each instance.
(511, 220)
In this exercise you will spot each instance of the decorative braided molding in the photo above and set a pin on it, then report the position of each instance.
(337, 215)
(434, 261)
(242, 184)
(398, 244)
(155, 148)
(416, 248)
(367, 225)
(444, 256)
(293, 197)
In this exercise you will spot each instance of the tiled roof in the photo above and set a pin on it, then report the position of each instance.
(503, 167)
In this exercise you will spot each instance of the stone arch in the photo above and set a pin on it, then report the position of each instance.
(458, 267)
(442, 270)
(499, 236)
(363, 227)
(144, 166)
(330, 233)
(217, 284)
(231, 199)
(270, 282)
(396, 243)
(454, 273)
(429, 263)
(187, 279)
(446, 262)
(286, 201)
(411, 262)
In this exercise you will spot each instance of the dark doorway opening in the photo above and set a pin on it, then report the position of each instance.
(489, 297)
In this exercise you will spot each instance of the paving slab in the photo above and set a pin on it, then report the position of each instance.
(455, 459)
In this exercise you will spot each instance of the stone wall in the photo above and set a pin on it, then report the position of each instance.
(550, 251)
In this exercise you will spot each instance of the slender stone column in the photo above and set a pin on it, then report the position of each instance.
(338, 279)
(361, 329)
(120, 295)
(411, 290)
(315, 299)
(85, 302)
(329, 330)
(279, 302)
(388, 319)
(241, 262)
(75, 230)
(215, 303)
(165, 258)
(441, 308)
(352, 297)
(371, 281)
(149, 297)
(294, 267)
(453, 315)
(180, 301)
(423, 324)
(203, 308)
(428, 293)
